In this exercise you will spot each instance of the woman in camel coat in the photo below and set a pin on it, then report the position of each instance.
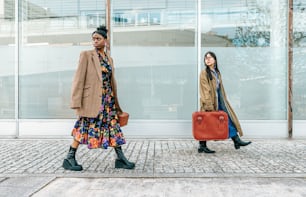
(94, 98)
(213, 98)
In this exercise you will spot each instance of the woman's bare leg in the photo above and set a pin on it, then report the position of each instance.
(75, 144)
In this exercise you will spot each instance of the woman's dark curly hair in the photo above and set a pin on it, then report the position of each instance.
(102, 31)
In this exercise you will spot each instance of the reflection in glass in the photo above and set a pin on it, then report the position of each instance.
(155, 58)
(7, 51)
(299, 59)
(249, 38)
(53, 34)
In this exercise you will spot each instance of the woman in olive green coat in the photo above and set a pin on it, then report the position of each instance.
(213, 98)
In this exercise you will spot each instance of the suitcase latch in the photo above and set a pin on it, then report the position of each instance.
(199, 119)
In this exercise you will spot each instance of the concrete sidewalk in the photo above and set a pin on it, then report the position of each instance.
(164, 167)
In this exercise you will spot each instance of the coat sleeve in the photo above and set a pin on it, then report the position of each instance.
(78, 82)
(206, 99)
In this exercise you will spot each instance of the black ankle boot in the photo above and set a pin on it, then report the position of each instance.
(238, 142)
(70, 163)
(121, 161)
(203, 148)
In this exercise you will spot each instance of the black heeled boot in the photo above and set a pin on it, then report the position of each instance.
(70, 163)
(203, 148)
(238, 142)
(121, 161)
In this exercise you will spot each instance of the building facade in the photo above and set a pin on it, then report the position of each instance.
(158, 49)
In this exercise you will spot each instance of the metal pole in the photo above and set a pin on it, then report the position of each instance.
(16, 70)
(108, 22)
(290, 58)
(199, 35)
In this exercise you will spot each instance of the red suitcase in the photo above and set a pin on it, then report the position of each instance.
(209, 125)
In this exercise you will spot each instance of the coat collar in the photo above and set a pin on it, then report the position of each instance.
(97, 64)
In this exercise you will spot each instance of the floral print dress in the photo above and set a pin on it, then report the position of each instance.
(104, 130)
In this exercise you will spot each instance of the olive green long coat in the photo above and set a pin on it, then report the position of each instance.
(208, 98)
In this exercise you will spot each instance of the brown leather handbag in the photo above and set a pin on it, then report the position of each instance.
(209, 125)
(123, 118)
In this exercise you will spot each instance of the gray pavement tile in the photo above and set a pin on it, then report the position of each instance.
(185, 187)
(23, 186)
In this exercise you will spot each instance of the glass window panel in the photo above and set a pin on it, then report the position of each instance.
(7, 51)
(155, 58)
(299, 59)
(250, 39)
(53, 34)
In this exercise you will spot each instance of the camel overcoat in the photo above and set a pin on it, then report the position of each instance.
(208, 97)
(86, 91)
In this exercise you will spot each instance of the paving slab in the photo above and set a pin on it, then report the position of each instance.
(176, 187)
(23, 186)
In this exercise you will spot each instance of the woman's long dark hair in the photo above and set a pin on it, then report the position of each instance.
(216, 64)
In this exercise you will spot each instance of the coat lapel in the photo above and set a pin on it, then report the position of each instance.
(96, 62)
